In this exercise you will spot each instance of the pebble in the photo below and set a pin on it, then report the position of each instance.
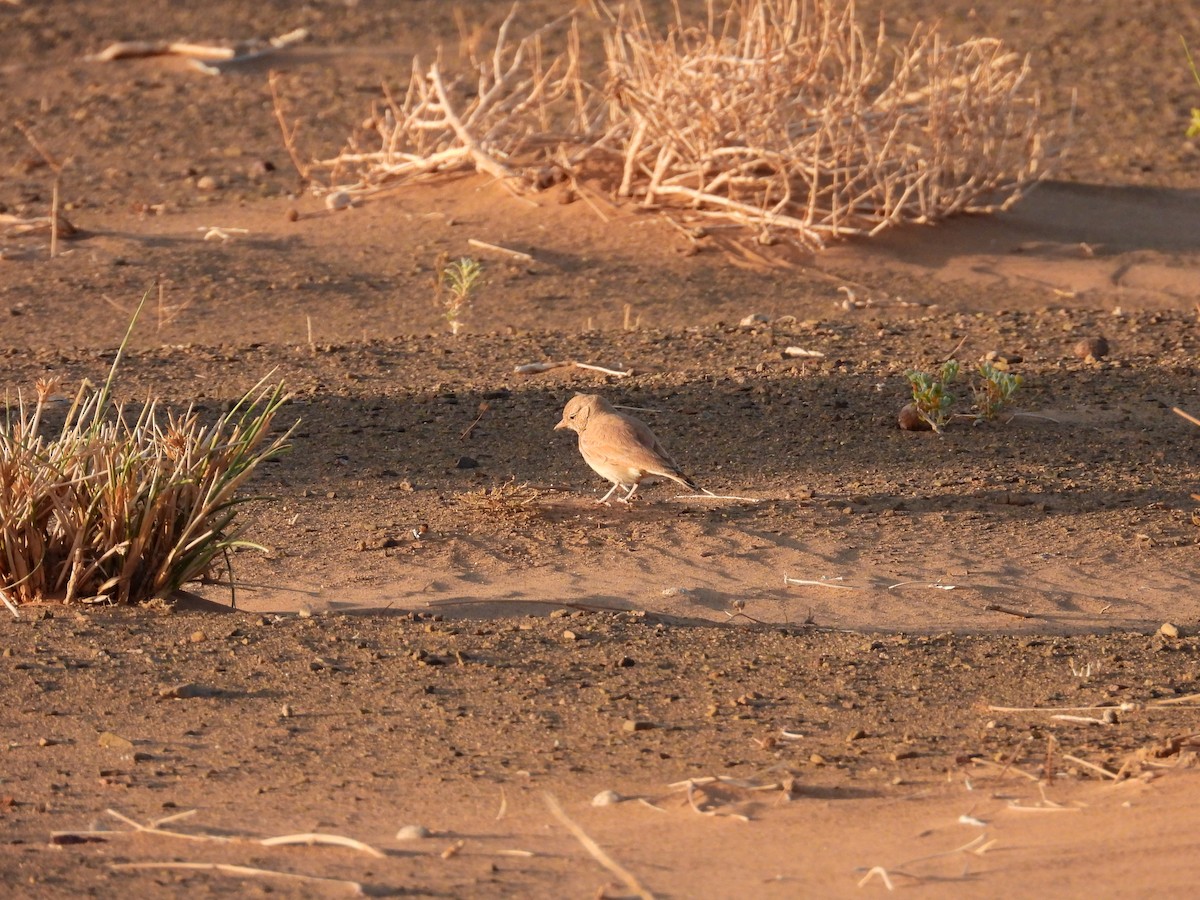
(185, 691)
(207, 183)
(754, 319)
(606, 798)
(632, 725)
(114, 741)
(198, 637)
(466, 462)
(338, 200)
(910, 420)
(1094, 347)
(413, 833)
(1167, 630)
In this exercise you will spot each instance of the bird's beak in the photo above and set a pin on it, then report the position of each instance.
(562, 423)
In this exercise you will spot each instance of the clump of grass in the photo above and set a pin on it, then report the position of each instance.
(931, 395)
(993, 390)
(122, 508)
(457, 283)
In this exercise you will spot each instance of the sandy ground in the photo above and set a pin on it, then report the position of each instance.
(453, 641)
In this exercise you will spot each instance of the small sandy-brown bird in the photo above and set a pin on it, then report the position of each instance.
(618, 447)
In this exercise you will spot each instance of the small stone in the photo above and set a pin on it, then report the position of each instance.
(47, 742)
(606, 798)
(632, 725)
(185, 691)
(207, 184)
(903, 754)
(817, 759)
(1091, 347)
(570, 635)
(293, 215)
(466, 462)
(338, 200)
(286, 711)
(856, 735)
(304, 612)
(754, 319)
(413, 833)
(114, 741)
(1167, 630)
(198, 637)
(910, 419)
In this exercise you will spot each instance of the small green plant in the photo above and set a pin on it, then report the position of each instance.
(993, 390)
(931, 393)
(458, 281)
(1194, 127)
(120, 508)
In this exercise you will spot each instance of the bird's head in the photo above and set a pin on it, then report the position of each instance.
(578, 410)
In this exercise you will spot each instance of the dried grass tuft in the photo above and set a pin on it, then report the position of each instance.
(781, 115)
(117, 507)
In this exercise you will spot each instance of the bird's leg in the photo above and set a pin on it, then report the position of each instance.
(629, 496)
(611, 490)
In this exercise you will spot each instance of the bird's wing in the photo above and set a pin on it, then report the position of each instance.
(625, 441)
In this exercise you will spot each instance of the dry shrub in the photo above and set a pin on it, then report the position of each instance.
(784, 115)
(121, 511)
(507, 121)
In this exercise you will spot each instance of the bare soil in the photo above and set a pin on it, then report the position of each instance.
(447, 627)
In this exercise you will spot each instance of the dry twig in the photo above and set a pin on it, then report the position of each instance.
(247, 871)
(596, 851)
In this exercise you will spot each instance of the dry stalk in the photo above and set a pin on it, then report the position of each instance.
(596, 851)
(287, 131)
(243, 871)
(56, 166)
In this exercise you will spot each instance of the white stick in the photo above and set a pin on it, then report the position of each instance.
(227, 869)
(805, 581)
(312, 839)
(620, 373)
(596, 851)
(11, 606)
(515, 254)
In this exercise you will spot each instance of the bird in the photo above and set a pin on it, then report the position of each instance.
(617, 446)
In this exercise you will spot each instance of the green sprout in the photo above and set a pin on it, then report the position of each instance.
(458, 281)
(931, 395)
(1194, 127)
(993, 390)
